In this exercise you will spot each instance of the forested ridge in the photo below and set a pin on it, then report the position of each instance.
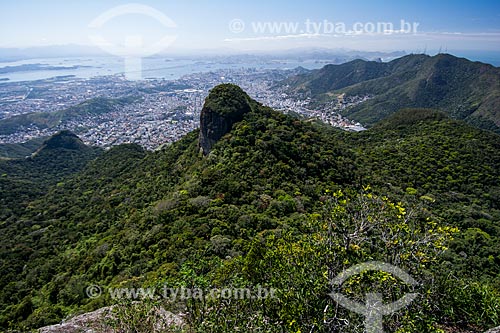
(278, 203)
(462, 89)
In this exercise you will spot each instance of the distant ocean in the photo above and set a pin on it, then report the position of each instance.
(158, 68)
(489, 57)
(171, 69)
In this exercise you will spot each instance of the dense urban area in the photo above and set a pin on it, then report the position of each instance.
(163, 111)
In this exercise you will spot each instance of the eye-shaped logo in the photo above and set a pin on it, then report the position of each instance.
(133, 51)
(374, 309)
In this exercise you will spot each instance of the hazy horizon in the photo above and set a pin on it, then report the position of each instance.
(259, 26)
(10, 56)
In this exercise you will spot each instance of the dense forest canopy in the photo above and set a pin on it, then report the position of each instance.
(279, 203)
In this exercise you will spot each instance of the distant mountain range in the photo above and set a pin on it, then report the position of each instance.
(60, 51)
(461, 88)
(64, 51)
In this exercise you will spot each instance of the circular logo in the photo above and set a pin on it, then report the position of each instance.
(133, 51)
(374, 309)
(236, 26)
(93, 291)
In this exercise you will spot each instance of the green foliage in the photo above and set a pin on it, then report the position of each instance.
(462, 89)
(25, 179)
(468, 303)
(452, 166)
(20, 150)
(147, 316)
(254, 212)
(335, 77)
(229, 100)
(295, 267)
(410, 117)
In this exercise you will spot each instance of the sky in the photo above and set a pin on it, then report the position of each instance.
(258, 25)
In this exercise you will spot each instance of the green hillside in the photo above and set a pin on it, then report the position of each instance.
(25, 179)
(20, 150)
(277, 203)
(463, 89)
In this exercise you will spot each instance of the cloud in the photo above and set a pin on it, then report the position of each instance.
(386, 40)
(280, 37)
(465, 34)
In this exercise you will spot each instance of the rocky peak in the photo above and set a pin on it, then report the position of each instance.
(225, 105)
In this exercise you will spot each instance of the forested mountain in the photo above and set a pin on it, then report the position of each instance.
(463, 89)
(275, 202)
(25, 179)
(20, 150)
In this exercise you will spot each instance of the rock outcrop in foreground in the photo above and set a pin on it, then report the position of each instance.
(225, 105)
(106, 320)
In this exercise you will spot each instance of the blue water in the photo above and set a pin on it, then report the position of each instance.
(163, 68)
(489, 57)
(151, 67)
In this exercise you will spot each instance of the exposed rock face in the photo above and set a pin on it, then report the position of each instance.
(225, 105)
(99, 322)
(88, 323)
